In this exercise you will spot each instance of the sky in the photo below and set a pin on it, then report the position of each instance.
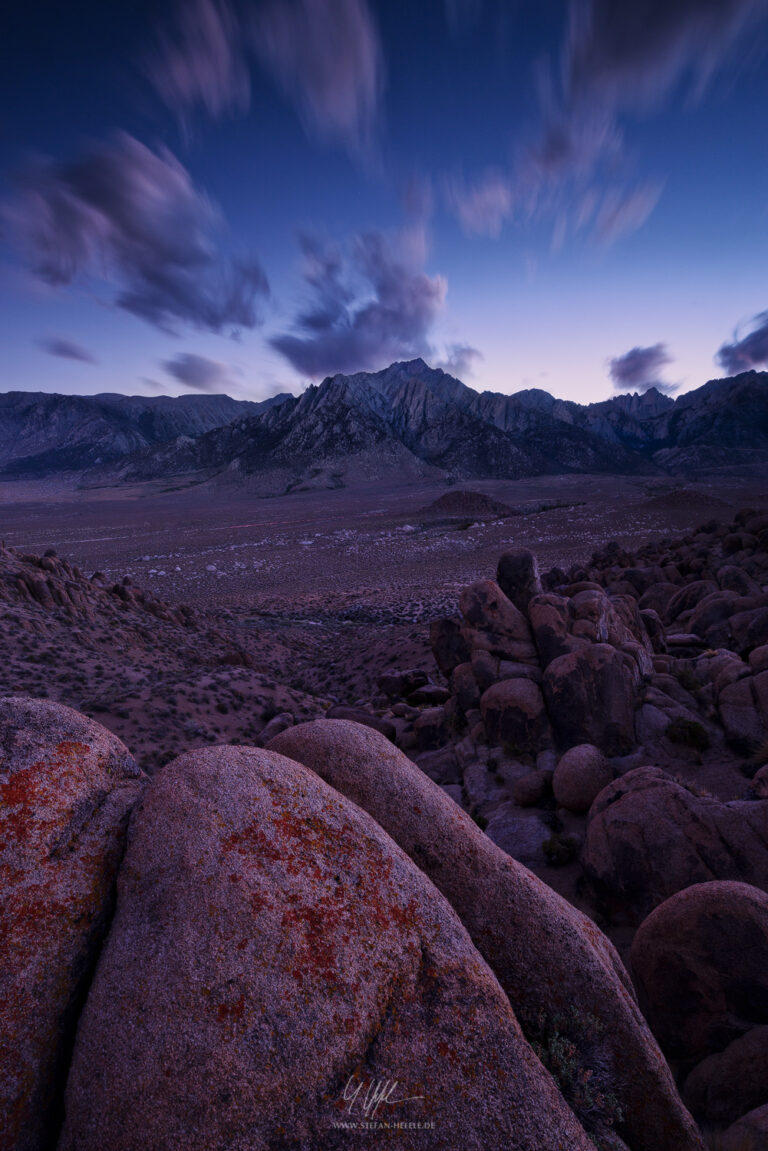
(245, 196)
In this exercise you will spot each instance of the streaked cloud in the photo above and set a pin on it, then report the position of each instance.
(197, 372)
(66, 349)
(199, 61)
(483, 207)
(327, 58)
(129, 216)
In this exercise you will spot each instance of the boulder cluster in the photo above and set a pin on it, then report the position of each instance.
(612, 721)
(297, 946)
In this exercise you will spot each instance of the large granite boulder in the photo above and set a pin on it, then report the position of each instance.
(67, 787)
(649, 837)
(548, 957)
(700, 964)
(273, 955)
(591, 697)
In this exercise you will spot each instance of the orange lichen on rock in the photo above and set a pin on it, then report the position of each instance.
(66, 789)
(265, 987)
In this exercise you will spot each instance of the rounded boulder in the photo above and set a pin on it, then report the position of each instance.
(275, 958)
(700, 963)
(580, 776)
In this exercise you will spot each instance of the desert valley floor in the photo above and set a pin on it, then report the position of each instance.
(346, 577)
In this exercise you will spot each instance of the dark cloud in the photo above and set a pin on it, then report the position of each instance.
(134, 216)
(633, 54)
(197, 372)
(751, 351)
(66, 349)
(640, 369)
(327, 57)
(368, 308)
(200, 61)
(460, 360)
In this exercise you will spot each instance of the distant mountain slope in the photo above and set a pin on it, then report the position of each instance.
(405, 421)
(409, 417)
(42, 433)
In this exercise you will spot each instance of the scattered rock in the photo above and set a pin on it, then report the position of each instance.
(277, 724)
(398, 684)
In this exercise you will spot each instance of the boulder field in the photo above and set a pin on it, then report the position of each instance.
(518, 904)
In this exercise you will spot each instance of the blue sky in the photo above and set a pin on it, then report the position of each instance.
(246, 196)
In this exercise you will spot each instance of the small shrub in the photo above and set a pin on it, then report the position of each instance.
(688, 679)
(568, 1044)
(688, 733)
(560, 849)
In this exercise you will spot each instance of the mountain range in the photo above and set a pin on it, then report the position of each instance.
(406, 421)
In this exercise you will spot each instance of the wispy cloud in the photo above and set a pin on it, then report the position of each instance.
(618, 62)
(371, 304)
(625, 210)
(66, 349)
(198, 372)
(199, 61)
(460, 360)
(134, 217)
(326, 56)
(746, 352)
(640, 369)
(483, 207)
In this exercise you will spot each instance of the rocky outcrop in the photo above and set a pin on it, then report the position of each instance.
(546, 955)
(649, 837)
(273, 954)
(700, 963)
(67, 787)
